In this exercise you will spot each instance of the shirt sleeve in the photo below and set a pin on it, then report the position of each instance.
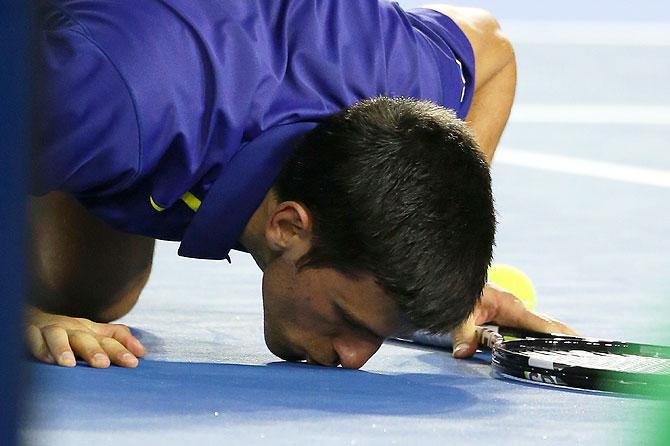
(449, 45)
(85, 134)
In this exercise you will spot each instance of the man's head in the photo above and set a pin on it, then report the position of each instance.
(382, 215)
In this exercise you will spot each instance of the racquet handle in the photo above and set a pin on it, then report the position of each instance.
(488, 335)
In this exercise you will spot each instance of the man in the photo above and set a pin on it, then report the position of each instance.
(247, 125)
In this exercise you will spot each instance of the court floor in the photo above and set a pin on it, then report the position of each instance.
(581, 182)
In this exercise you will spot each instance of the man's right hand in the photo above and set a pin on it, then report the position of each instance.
(56, 339)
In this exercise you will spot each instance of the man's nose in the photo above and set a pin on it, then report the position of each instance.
(354, 352)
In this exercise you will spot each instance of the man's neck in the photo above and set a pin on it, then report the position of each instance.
(253, 236)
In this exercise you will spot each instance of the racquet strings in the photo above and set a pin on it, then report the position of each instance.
(610, 361)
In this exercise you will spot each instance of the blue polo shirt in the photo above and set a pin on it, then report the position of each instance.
(172, 118)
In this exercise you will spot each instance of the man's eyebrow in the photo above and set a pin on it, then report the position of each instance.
(354, 321)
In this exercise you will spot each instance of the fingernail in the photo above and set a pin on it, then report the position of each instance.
(100, 359)
(128, 358)
(460, 349)
(67, 358)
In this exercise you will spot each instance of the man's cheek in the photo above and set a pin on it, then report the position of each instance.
(272, 339)
(280, 344)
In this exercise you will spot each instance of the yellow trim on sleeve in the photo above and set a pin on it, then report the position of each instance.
(191, 201)
(154, 205)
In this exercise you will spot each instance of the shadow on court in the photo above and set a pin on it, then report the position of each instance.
(84, 398)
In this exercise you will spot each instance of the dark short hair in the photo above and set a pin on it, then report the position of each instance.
(398, 188)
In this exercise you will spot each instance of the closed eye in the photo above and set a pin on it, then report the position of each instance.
(357, 324)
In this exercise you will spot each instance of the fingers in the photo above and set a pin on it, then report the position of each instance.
(58, 343)
(98, 351)
(511, 312)
(117, 353)
(546, 324)
(123, 335)
(465, 338)
(59, 339)
(88, 348)
(37, 345)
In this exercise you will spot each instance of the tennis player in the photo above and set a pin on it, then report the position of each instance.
(344, 145)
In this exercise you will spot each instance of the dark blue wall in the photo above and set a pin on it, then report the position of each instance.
(14, 83)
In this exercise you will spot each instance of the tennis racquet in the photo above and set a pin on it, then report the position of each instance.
(569, 361)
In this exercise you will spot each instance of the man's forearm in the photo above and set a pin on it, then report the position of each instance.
(491, 108)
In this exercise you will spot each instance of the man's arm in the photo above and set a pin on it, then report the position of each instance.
(82, 271)
(495, 74)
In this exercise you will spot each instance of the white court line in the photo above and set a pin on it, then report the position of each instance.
(592, 114)
(601, 33)
(579, 166)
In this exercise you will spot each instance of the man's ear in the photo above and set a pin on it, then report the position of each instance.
(289, 228)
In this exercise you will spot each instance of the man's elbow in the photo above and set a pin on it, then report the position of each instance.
(492, 48)
(498, 40)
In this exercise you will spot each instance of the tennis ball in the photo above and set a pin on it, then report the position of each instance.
(515, 281)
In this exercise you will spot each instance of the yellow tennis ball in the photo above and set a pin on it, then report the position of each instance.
(515, 281)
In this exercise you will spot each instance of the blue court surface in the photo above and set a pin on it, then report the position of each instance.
(581, 180)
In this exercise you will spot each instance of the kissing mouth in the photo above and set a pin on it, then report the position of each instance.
(293, 353)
